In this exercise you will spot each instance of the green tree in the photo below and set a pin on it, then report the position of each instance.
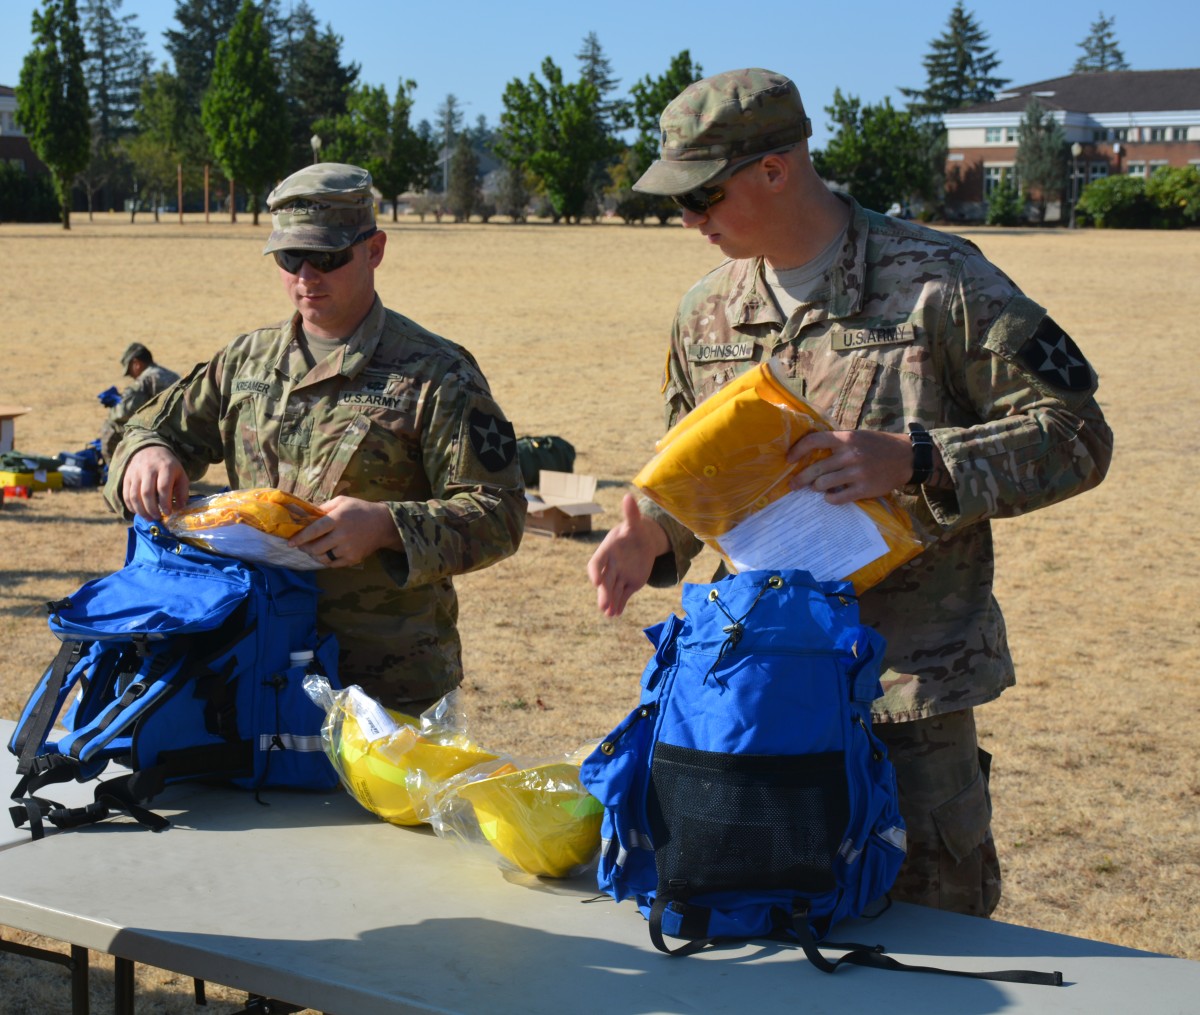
(1042, 160)
(1004, 205)
(116, 63)
(316, 83)
(52, 103)
(463, 195)
(412, 158)
(156, 149)
(1100, 49)
(649, 97)
(554, 130)
(877, 152)
(1175, 191)
(361, 135)
(243, 111)
(959, 69)
(596, 69)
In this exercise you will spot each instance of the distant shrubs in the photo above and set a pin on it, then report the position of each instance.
(25, 197)
(1169, 199)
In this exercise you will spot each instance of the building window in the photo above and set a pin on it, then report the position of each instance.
(1179, 133)
(1135, 169)
(1097, 170)
(1158, 133)
(1010, 134)
(993, 175)
(992, 135)
(1156, 165)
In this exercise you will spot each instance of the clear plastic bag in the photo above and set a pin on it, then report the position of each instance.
(536, 818)
(392, 763)
(252, 525)
(723, 469)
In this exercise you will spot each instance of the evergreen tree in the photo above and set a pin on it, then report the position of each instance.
(1042, 159)
(243, 110)
(553, 129)
(959, 69)
(463, 195)
(1100, 49)
(878, 152)
(193, 51)
(448, 121)
(52, 103)
(596, 70)
(117, 61)
(412, 161)
(316, 83)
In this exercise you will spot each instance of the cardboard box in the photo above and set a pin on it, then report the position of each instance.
(563, 504)
(7, 414)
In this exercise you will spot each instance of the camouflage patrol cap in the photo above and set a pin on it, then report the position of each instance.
(715, 122)
(135, 351)
(321, 207)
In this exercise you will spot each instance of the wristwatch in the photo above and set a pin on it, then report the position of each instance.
(922, 447)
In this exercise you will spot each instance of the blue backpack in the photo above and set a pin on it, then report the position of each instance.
(178, 666)
(747, 796)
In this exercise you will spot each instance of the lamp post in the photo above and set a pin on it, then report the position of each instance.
(1076, 151)
(315, 141)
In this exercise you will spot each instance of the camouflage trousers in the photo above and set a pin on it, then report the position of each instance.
(942, 775)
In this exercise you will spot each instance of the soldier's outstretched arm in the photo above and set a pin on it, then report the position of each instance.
(624, 559)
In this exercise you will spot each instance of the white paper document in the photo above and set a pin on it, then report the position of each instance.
(803, 530)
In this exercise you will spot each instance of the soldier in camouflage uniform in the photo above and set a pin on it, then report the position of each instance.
(392, 430)
(148, 380)
(886, 327)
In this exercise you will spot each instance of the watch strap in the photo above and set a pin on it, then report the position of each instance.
(922, 448)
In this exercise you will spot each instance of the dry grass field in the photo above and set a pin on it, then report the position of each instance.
(1096, 781)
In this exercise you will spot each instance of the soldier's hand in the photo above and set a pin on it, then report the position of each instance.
(155, 483)
(852, 464)
(624, 559)
(351, 531)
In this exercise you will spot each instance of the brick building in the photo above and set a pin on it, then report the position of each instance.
(14, 145)
(1129, 122)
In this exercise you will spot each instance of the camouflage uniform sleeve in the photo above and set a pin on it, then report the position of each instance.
(475, 515)
(185, 420)
(678, 399)
(132, 399)
(1042, 436)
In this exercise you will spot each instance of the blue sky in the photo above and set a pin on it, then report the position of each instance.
(868, 48)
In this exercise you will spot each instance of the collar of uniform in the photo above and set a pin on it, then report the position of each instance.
(750, 300)
(356, 353)
(850, 266)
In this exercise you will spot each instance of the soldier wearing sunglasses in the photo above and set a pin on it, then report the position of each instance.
(947, 386)
(389, 429)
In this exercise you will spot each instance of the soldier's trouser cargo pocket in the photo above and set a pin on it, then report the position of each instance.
(944, 799)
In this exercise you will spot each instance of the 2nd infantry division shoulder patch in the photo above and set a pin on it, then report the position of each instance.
(494, 440)
(1052, 354)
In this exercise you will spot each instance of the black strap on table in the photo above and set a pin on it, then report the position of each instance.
(871, 956)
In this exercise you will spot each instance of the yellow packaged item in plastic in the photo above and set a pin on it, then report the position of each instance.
(387, 761)
(540, 819)
(252, 525)
(725, 463)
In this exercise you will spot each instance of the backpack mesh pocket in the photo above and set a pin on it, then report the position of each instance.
(737, 822)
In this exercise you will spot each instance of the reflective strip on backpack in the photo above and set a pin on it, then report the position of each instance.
(289, 742)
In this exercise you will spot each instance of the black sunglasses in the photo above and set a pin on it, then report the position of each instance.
(700, 199)
(323, 261)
